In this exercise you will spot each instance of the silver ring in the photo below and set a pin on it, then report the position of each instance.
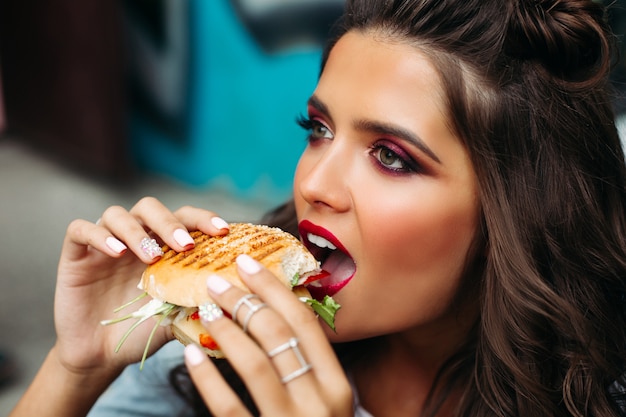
(293, 345)
(253, 308)
(298, 372)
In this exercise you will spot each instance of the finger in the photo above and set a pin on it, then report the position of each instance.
(157, 218)
(297, 314)
(247, 359)
(173, 228)
(216, 393)
(195, 218)
(271, 332)
(81, 234)
(129, 229)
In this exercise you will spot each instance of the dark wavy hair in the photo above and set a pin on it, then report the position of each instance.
(527, 92)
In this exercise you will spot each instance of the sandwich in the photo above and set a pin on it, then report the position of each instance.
(177, 282)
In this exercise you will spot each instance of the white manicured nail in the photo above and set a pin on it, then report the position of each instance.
(115, 245)
(194, 355)
(248, 264)
(219, 223)
(217, 284)
(183, 238)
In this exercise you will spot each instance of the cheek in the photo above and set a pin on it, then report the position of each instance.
(426, 237)
(428, 230)
(410, 264)
(429, 250)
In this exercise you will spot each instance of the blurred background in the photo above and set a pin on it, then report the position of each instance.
(104, 102)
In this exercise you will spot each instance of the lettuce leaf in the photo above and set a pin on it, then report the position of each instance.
(326, 309)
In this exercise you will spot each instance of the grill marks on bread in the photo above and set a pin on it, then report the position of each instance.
(258, 241)
(180, 278)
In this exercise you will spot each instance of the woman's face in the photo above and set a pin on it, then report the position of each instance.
(385, 180)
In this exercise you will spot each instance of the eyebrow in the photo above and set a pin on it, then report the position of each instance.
(381, 128)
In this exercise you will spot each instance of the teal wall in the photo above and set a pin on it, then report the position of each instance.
(242, 104)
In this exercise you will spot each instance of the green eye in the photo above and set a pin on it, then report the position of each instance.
(317, 130)
(388, 157)
(320, 131)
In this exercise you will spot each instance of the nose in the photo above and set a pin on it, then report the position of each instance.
(323, 178)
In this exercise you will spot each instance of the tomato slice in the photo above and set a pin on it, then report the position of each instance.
(322, 274)
(207, 341)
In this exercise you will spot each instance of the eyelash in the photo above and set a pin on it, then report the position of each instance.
(409, 165)
(309, 125)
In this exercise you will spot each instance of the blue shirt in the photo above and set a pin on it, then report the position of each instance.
(149, 393)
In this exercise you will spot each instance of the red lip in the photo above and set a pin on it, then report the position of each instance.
(306, 227)
(339, 263)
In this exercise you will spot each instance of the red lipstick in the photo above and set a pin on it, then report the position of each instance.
(333, 256)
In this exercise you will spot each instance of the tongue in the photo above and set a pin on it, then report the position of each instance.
(340, 267)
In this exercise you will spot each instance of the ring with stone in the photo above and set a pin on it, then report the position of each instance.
(151, 247)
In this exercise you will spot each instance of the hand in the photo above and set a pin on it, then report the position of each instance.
(266, 357)
(100, 267)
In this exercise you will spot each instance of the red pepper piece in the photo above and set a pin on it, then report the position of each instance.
(208, 342)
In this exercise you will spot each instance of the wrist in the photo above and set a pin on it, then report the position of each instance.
(77, 377)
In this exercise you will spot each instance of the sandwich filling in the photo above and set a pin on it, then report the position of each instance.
(168, 314)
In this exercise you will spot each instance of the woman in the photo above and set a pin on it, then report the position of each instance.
(463, 157)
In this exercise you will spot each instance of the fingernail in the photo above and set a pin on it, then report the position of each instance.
(183, 238)
(217, 284)
(193, 355)
(210, 312)
(248, 264)
(151, 248)
(115, 245)
(219, 223)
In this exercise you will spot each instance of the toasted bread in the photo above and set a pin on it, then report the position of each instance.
(180, 277)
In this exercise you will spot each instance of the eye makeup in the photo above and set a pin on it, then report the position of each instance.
(319, 110)
(388, 155)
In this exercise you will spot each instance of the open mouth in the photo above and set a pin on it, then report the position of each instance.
(334, 259)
